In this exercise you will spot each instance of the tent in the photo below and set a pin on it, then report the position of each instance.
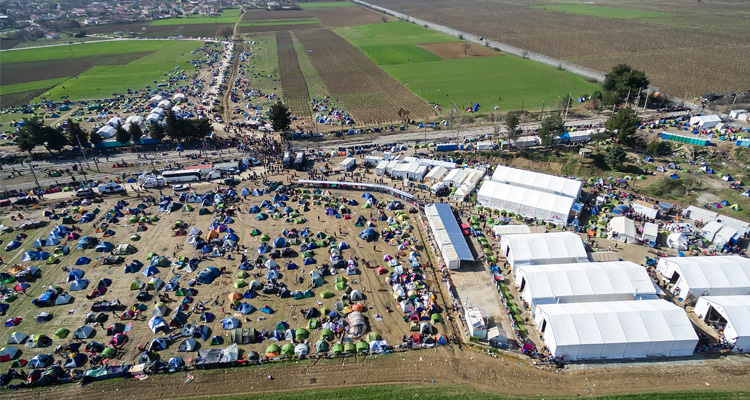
(8, 353)
(273, 350)
(301, 350)
(17, 338)
(230, 323)
(622, 229)
(694, 277)
(83, 332)
(730, 315)
(678, 241)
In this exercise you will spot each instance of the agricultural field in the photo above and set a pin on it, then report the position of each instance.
(93, 70)
(362, 87)
(227, 17)
(293, 82)
(687, 49)
(272, 21)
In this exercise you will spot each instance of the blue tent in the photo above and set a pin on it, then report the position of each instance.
(343, 246)
(254, 209)
(203, 332)
(245, 192)
(12, 245)
(207, 317)
(79, 284)
(133, 267)
(309, 260)
(230, 323)
(367, 195)
(292, 265)
(29, 256)
(208, 275)
(245, 308)
(83, 261)
(150, 271)
(263, 248)
(368, 234)
(267, 310)
(75, 275)
(104, 247)
(279, 242)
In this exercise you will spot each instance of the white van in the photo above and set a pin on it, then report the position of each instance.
(110, 188)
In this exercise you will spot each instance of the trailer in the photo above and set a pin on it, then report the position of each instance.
(287, 160)
(348, 164)
(300, 161)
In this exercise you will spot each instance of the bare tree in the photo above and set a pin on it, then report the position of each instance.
(225, 31)
(466, 46)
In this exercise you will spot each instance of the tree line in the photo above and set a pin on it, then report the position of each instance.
(34, 133)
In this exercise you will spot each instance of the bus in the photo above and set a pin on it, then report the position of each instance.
(299, 161)
(287, 161)
(181, 175)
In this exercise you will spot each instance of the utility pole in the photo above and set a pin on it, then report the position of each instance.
(96, 162)
(84, 152)
(34, 173)
(567, 106)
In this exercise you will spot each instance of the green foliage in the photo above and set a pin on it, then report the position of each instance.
(95, 138)
(280, 116)
(512, 121)
(624, 80)
(625, 123)
(122, 135)
(551, 127)
(136, 133)
(615, 156)
(156, 131)
(659, 148)
(76, 135)
(669, 188)
(53, 139)
(34, 133)
(185, 130)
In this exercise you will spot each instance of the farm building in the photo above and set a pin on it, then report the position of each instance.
(730, 314)
(719, 234)
(436, 174)
(501, 230)
(475, 322)
(705, 121)
(527, 202)
(537, 181)
(621, 229)
(694, 277)
(373, 160)
(543, 248)
(616, 329)
(448, 236)
(380, 168)
(584, 283)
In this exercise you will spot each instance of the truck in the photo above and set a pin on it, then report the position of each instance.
(300, 161)
(446, 147)
(287, 160)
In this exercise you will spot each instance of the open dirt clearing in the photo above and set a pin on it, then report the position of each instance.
(451, 50)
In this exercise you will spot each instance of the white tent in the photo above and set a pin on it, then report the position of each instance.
(694, 277)
(644, 208)
(448, 235)
(179, 97)
(735, 114)
(436, 174)
(677, 241)
(699, 214)
(115, 122)
(616, 329)
(107, 131)
(543, 248)
(719, 234)
(650, 232)
(537, 181)
(621, 229)
(527, 202)
(705, 121)
(134, 119)
(584, 283)
(155, 99)
(500, 230)
(730, 314)
(380, 169)
(164, 104)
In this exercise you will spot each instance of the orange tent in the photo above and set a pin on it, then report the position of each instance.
(212, 234)
(234, 296)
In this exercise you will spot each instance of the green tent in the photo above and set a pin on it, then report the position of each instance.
(242, 274)
(264, 238)
(108, 352)
(301, 334)
(203, 211)
(150, 255)
(240, 283)
(337, 349)
(187, 208)
(154, 218)
(52, 260)
(326, 334)
(340, 285)
(134, 218)
(436, 318)
(137, 285)
(321, 345)
(313, 324)
(61, 333)
(326, 294)
(68, 220)
(255, 232)
(273, 350)
(261, 216)
(287, 350)
(362, 347)
(349, 347)
(8, 278)
(373, 336)
(135, 237)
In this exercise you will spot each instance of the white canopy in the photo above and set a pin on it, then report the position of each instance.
(107, 131)
(735, 310)
(527, 202)
(616, 329)
(537, 181)
(500, 230)
(543, 248)
(719, 234)
(584, 282)
(436, 174)
(164, 104)
(134, 119)
(703, 276)
(115, 122)
(621, 229)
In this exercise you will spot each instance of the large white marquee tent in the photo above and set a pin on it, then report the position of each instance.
(616, 329)
(448, 235)
(543, 248)
(735, 311)
(584, 283)
(537, 181)
(694, 277)
(527, 202)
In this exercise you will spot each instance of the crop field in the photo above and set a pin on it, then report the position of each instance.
(657, 37)
(92, 70)
(362, 87)
(326, 4)
(392, 33)
(293, 82)
(274, 21)
(226, 17)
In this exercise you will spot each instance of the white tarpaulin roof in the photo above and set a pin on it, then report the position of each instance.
(616, 329)
(527, 202)
(585, 282)
(543, 248)
(624, 228)
(501, 230)
(538, 181)
(702, 276)
(448, 235)
(736, 310)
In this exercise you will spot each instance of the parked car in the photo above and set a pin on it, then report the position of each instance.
(25, 200)
(180, 188)
(465, 229)
(84, 192)
(110, 188)
(231, 181)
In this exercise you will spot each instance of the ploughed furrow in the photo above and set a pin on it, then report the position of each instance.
(293, 84)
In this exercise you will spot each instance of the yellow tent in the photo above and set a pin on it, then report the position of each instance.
(212, 234)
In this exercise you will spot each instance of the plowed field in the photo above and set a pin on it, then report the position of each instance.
(369, 93)
(292, 81)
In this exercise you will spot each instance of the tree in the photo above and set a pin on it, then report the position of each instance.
(659, 148)
(170, 125)
(122, 135)
(625, 123)
(280, 117)
(95, 138)
(136, 133)
(512, 122)
(156, 130)
(76, 135)
(29, 134)
(551, 127)
(623, 80)
(225, 31)
(466, 46)
(615, 156)
(53, 139)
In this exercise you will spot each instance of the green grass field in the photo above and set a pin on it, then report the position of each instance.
(70, 52)
(398, 54)
(102, 81)
(391, 33)
(227, 17)
(29, 86)
(282, 22)
(325, 4)
(604, 12)
(518, 82)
